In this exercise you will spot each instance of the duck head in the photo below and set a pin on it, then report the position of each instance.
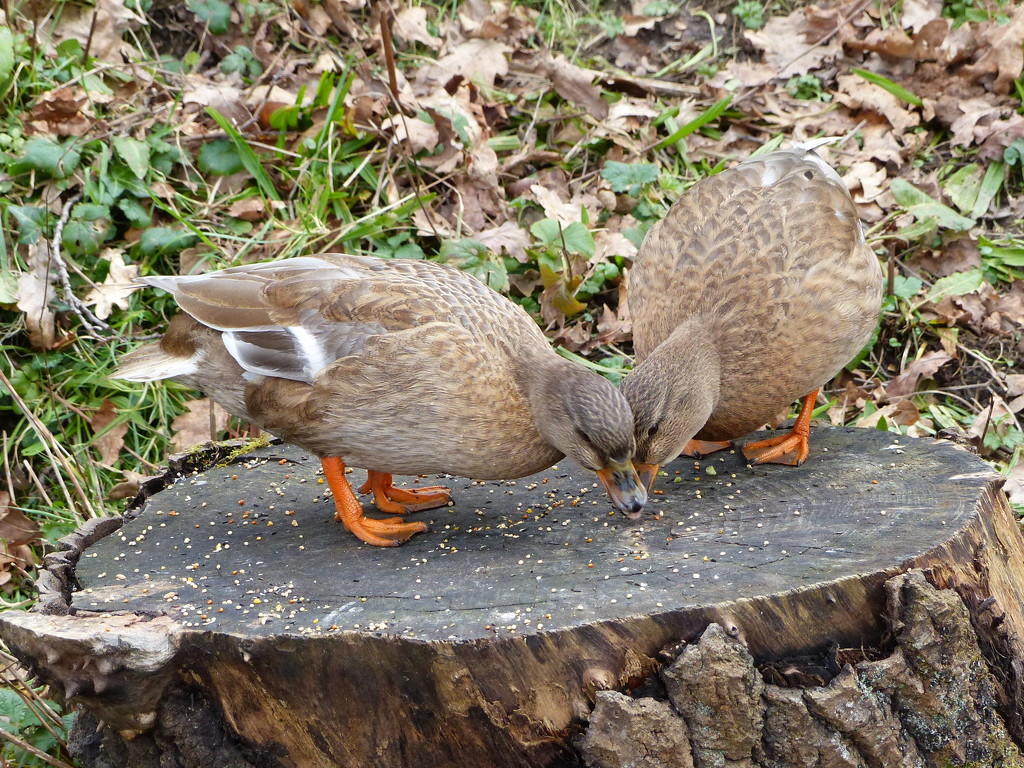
(585, 417)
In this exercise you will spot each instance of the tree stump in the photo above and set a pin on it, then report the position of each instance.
(864, 609)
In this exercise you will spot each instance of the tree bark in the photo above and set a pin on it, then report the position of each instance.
(864, 609)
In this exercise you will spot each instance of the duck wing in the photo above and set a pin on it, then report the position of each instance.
(293, 318)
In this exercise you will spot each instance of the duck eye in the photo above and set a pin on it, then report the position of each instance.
(583, 436)
(653, 430)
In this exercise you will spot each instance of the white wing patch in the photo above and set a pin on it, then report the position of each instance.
(314, 357)
(297, 352)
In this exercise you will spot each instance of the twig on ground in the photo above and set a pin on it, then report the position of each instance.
(87, 318)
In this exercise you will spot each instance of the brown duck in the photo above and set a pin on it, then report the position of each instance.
(396, 366)
(752, 292)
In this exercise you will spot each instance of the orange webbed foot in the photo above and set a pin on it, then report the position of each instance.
(791, 448)
(698, 449)
(389, 532)
(401, 501)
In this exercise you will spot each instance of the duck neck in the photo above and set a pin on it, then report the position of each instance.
(540, 377)
(684, 369)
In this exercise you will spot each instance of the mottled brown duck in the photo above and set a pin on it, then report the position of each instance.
(396, 366)
(755, 289)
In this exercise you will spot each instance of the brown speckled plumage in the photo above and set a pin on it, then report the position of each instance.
(397, 366)
(754, 290)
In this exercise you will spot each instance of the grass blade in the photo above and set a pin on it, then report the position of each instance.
(895, 89)
(249, 160)
(711, 113)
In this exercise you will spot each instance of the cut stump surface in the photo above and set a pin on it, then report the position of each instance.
(484, 641)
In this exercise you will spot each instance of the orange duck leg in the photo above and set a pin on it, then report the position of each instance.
(698, 449)
(790, 448)
(380, 533)
(401, 501)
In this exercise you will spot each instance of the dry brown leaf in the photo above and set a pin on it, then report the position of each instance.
(226, 98)
(116, 287)
(576, 85)
(880, 143)
(1015, 384)
(509, 238)
(923, 368)
(554, 206)
(36, 294)
(15, 528)
(783, 40)
(999, 135)
(1002, 54)
(194, 426)
(857, 93)
(995, 421)
(65, 111)
(129, 487)
(902, 413)
(481, 61)
(608, 244)
(252, 208)
(975, 111)
(917, 13)
(612, 329)
(526, 283)
(1015, 483)
(867, 177)
(110, 442)
(955, 256)
(411, 26)
(417, 133)
(104, 26)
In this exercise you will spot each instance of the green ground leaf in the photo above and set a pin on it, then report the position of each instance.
(135, 212)
(220, 157)
(216, 14)
(956, 284)
(546, 230)
(165, 240)
(6, 58)
(629, 177)
(579, 240)
(963, 186)
(711, 113)
(135, 154)
(923, 207)
(47, 156)
(474, 257)
(575, 237)
(87, 229)
(31, 220)
(990, 186)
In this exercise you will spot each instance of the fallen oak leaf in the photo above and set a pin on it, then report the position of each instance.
(411, 26)
(1002, 54)
(16, 528)
(199, 424)
(116, 287)
(576, 85)
(109, 439)
(130, 486)
(36, 295)
(924, 367)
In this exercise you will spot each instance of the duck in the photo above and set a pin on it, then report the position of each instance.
(752, 292)
(396, 366)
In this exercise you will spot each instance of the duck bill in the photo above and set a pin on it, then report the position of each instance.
(627, 493)
(647, 473)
